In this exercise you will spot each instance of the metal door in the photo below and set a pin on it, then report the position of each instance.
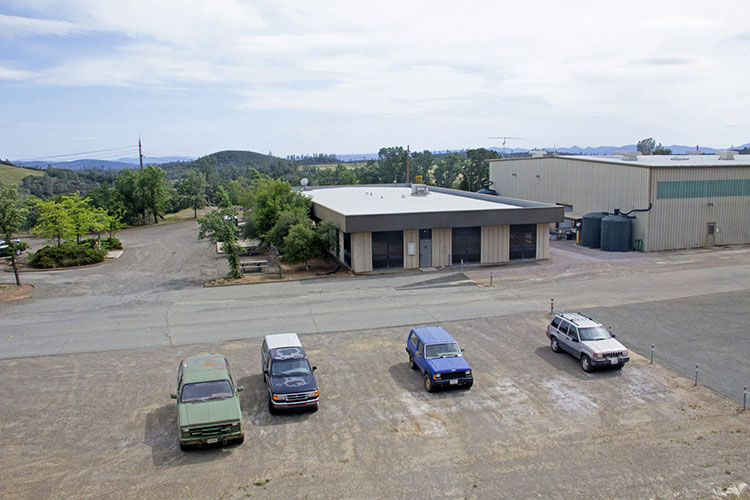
(710, 234)
(425, 248)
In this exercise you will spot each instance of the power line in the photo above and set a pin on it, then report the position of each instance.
(43, 158)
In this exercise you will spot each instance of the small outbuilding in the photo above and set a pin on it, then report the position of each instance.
(404, 226)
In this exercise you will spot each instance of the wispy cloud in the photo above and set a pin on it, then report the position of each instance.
(21, 27)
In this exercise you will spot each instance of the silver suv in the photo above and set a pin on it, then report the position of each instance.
(587, 340)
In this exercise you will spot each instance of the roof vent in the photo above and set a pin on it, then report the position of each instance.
(727, 155)
(679, 158)
(537, 153)
(419, 190)
(630, 155)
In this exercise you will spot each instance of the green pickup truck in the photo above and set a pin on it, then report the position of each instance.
(208, 407)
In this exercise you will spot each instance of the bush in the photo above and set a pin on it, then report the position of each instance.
(68, 255)
(111, 244)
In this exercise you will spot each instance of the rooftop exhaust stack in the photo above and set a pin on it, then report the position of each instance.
(419, 190)
(727, 155)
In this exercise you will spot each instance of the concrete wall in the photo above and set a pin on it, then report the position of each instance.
(495, 244)
(542, 241)
(361, 252)
(442, 246)
(681, 221)
(411, 261)
(589, 186)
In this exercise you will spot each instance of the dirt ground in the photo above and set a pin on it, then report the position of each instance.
(10, 291)
(101, 425)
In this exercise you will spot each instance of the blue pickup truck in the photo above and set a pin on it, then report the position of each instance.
(435, 353)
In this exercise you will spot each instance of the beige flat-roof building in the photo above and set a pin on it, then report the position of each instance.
(402, 226)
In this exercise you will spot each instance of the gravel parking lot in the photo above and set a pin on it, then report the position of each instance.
(101, 425)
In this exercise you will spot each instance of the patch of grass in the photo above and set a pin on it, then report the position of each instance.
(261, 482)
(13, 175)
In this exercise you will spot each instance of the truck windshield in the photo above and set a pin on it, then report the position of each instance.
(203, 391)
(442, 350)
(594, 333)
(289, 367)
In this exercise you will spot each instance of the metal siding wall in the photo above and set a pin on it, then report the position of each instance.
(542, 241)
(588, 186)
(361, 252)
(341, 246)
(411, 261)
(442, 245)
(681, 222)
(495, 244)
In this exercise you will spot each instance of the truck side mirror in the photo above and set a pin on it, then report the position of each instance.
(265, 372)
(240, 388)
(173, 396)
(315, 368)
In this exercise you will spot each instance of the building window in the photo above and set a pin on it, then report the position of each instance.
(387, 250)
(348, 249)
(523, 242)
(467, 244)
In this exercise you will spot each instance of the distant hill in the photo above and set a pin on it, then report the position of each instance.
(232, 164)
(92, 164)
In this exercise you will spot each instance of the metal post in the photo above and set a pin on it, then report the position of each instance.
(462, 265)
(744, 399)
(696, 374)
(491, 276)
(652, 353)
(552, 305)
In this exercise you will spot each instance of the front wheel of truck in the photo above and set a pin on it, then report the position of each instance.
(428, 383)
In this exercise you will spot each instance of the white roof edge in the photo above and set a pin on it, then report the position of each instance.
(279, 340)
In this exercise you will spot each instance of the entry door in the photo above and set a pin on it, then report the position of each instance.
(425, 248)
(523, 242)
(710, 234)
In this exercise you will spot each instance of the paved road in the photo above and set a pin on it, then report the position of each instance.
(152, 296)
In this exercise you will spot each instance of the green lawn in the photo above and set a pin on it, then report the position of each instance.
(355, 164)
(13, 175)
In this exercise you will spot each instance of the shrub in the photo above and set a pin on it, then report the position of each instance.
(68, 255)
(112, 244)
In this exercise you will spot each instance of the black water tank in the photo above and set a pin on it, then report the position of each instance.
(591, 229)
(617, 233)
(487, 190)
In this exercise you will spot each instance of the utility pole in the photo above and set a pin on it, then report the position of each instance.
(407, 164)
(140, 153)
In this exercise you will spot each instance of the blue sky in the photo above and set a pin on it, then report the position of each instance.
(308, 76)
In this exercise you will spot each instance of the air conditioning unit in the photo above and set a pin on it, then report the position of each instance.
(727, 155)
(419, 190)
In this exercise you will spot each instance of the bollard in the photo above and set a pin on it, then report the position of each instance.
(491, 276)
(696, 374)
(462, 265)
(744, 399)
(552, 305)
(652, 354)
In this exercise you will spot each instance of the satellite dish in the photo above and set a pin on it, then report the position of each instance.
(304, 181)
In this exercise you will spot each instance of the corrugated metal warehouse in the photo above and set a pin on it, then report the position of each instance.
(402, 226)
(696, 200)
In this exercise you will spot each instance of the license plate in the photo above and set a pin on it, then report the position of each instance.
(212, 440)
(615, 361)
(453, 382)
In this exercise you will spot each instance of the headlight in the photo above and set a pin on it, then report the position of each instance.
(436, 376)
(235, 424)
(279, 397)
(596, 355)
(185, 431)
(313, 394)
(468, 372)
